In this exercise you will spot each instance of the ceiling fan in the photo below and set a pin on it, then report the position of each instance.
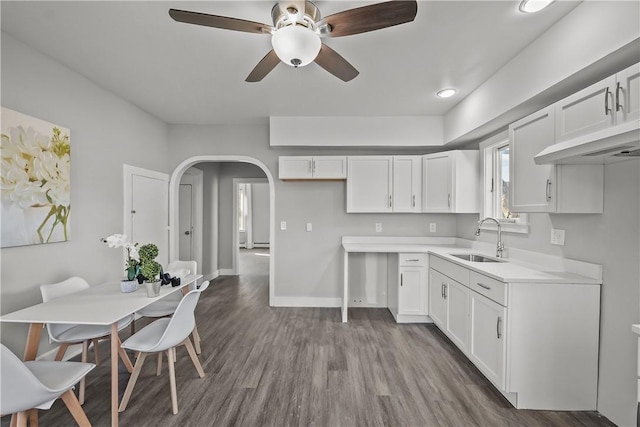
(297, 29)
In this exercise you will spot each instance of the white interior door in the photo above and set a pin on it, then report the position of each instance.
(185, 221)
(147, 213)
(260, 214)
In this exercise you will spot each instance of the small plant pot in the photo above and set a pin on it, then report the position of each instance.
(127, 286)
(153, 289)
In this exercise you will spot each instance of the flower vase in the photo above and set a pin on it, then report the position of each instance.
(127, 286)
(153, 289)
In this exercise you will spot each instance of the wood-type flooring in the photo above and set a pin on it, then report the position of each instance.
(302, 367)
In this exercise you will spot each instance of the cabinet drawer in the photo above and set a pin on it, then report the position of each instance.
(450, 269)
(412, 260)
(491, 288)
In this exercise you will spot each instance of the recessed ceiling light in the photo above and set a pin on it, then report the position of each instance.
(446, 93)
(532, 6)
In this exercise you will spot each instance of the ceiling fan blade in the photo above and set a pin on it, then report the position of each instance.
(264, 67)
(216, 21)
(331, 61)
(370, 18)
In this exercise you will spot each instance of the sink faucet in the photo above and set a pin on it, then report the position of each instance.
(500, 245)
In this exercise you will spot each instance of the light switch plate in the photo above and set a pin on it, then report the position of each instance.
(309, 227)
(557, 237)
(378, 227)
(432, 227)
(283, 225)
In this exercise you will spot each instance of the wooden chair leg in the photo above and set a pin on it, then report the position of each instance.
(14, 420)
(124, 357)
(196, 339)
(85, 357)
(172, 381)
(132, 382)
(76, 410)
(159, 367)
(95, 351)
(22, 419)
(33, 418)
(194, 357)
(61, 351)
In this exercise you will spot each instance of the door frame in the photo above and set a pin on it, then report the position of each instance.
(195, 177)
(174, 185)
(235, 248)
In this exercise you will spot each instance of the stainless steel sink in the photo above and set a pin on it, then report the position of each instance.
(475, 258)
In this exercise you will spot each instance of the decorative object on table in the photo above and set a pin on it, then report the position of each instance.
(167, 279)
(35, 181)
(150, 269)
(132, 265)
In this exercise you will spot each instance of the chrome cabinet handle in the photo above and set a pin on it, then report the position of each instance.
(548, 190)
(499, 327)
(413, 201)
(484, 286)
(607, 110)
(445, 290)
(310, 166)
(389, 200)
(412, 260)
(401, 279)
(314, 166)
(618, 89)
(442, 290)
(449, 200)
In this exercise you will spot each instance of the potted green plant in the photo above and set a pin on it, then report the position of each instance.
(149, 269)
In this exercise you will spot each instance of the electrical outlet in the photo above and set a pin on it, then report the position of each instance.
(557, 237)
(432, 227)
(283, 225)
(378, 227)
(309, 227)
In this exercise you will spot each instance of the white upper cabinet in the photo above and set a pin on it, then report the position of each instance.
(369, 184)
(608, 103)
(451, 182)
(549, 188)
(316, 167)
(628, 94)
(407, 184)
(384, 184)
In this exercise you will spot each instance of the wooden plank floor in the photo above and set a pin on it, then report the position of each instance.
(302, 367)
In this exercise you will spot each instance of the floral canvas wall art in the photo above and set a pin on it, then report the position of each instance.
(35, 181)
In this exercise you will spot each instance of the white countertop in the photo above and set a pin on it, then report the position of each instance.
(509, 270)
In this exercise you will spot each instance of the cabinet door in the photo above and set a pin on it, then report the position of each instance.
(410, 291)
(437, 303)
(407, 183)
(295, 167)
(628, 94)
(437, 172)
(369, 184)
(586, 111)
(532, 187)
(457, 297)
(330, 167)
(487, 348)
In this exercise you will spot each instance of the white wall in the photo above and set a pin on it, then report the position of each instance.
(106, 132)
(611, 239)
(210, 200)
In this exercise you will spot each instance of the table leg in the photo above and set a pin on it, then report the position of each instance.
(345, 287)
(33, 340)
(114, 374)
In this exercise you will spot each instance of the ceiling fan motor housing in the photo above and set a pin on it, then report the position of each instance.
(295, 39)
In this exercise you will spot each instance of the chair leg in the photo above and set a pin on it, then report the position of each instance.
(132, 382)
(95, 351)
(61, 351)
(194, 357)
(21, 418)
(85, 356)
(124, 357)
(196, 339)
(33, 418)
(172, 381)
(14, 420)
(159, 367)
(76, 410)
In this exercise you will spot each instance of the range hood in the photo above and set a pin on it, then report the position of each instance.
(611, 145)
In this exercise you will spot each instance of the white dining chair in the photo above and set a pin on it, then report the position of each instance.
(163, 335)
(26, 387)
(167, 305)
(67, 335)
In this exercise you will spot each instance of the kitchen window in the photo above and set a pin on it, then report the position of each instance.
(496, 180)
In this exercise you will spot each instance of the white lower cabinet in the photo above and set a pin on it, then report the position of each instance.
(487, 347)
(537, 343)
(408, 287)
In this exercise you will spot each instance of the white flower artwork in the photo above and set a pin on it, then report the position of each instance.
(35, 181)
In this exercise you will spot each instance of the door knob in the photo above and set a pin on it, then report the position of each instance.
(187, 233)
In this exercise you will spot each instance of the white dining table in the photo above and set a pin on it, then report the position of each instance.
(101, 304)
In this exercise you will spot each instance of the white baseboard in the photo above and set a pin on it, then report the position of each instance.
(261, 245)
(305, 302)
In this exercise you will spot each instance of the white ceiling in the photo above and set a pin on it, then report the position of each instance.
(189, 74)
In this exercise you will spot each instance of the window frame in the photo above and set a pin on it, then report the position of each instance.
(490, 166)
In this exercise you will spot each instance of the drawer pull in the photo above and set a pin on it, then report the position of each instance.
(484, 286)
(401, 279)
(499, 327)
(445, 290)
(412, 260)
(442, 290)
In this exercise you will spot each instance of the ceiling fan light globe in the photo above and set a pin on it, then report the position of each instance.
(295, 45)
